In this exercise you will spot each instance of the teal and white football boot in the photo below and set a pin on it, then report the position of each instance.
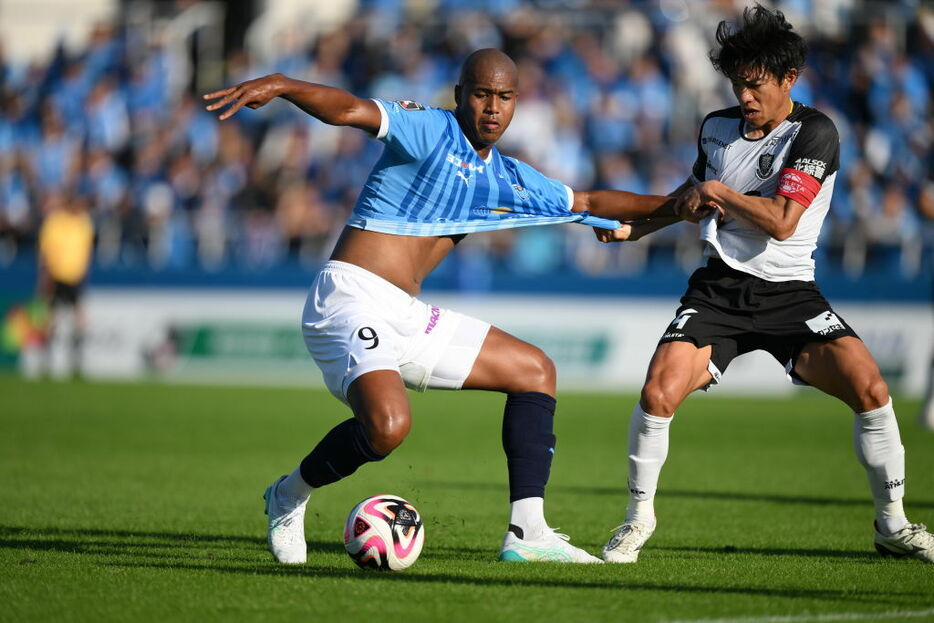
(551, 546)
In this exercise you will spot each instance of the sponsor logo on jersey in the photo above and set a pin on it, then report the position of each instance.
(409, 105)
(825, 323)
(764, 168)
(464, 176)
(497, 211)
(715, 141)
(811, 166)
(462, 164)
(894, 484)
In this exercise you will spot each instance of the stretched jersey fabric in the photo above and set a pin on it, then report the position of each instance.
(431, 182)
(798, 159)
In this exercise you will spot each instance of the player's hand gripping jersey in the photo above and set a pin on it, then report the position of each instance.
(798, 159)
(431, 182)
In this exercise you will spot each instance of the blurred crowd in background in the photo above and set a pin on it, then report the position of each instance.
(612, 94)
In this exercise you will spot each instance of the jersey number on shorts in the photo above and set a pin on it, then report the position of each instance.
(683, 318)
(367, 334)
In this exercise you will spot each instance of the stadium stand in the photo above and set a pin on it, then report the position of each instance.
(613, 93)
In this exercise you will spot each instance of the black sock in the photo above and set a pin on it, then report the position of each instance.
(338, 455)
(529, 443)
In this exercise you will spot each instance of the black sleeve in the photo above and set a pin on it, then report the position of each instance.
(699, 170)
(816, 148)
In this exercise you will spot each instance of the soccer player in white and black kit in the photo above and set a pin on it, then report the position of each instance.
(760, 188)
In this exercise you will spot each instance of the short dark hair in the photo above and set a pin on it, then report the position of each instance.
(765, 41)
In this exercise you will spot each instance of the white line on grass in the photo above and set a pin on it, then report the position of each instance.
(836, 616)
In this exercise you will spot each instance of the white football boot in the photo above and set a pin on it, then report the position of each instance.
(551, 546)
(913, 541)
(627, 541)
(286, 526)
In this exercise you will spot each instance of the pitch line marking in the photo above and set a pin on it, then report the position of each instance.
(838, 616)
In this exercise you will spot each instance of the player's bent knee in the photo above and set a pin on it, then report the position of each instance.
(547, 372)
(539, 374)
(531, 370)
(659, 399)
(387, 430)
(872, 393)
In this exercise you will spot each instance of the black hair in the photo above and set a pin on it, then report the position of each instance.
(765, 41)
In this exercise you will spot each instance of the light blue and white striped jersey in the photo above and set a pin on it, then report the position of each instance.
(431, 182)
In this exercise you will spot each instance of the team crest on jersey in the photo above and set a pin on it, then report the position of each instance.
(522, 194)
(409, 105)
(764, 170)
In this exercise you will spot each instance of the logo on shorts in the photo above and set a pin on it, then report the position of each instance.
(433, 319)
(682, 318)
(825, 323)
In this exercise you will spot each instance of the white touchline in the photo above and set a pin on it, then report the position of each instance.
(833, 616)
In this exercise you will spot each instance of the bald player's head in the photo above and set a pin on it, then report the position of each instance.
(486, 62)
(486, 97)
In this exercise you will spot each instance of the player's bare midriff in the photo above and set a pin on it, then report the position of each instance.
(403, 261)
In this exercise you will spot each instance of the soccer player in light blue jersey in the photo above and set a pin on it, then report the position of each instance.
(440, 177)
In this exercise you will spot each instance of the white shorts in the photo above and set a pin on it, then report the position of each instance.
(355, 322)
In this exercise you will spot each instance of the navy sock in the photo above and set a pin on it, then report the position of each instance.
(338, 455)
(529, 443)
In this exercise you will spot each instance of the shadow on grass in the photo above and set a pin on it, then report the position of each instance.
(137, 543)
(728, 550)
(148, 544)
(522, 579)
(739, 496)
(124, 549)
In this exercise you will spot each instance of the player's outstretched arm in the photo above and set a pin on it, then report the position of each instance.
(630, 232)
(637, 228)
(622, 205)
(331, 105)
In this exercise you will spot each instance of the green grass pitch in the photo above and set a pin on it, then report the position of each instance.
(142, 502)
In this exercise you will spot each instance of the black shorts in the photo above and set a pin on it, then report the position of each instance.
(65, 293)
(737, 313)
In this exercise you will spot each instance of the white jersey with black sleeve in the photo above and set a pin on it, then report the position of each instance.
(798, 159)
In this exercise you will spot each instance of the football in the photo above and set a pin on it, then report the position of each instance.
(384, 532)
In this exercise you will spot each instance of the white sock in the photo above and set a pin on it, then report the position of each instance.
(648, 449)
(529, 515)
(879, 449)
(294, 487)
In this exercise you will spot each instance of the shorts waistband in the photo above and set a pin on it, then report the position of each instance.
(386, 288)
